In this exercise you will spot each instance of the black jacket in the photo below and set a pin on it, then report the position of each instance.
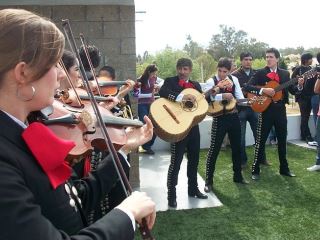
(31, 209)
(308, 87)
(260, 79)
(242, 76)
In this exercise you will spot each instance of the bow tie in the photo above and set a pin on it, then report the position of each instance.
(184, 84)
(50, 152)
(273, 76)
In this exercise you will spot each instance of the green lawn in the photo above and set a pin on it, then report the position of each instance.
(275, 207)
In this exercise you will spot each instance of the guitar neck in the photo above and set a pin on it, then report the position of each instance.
(307, 75)
(286, 84)
(118, 121)
(242, 100)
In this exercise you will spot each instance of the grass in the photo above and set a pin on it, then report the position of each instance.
(275, 207)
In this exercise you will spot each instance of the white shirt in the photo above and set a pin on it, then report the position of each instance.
(237, 92)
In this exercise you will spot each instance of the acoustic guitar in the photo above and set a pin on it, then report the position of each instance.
(263, 103)
(173, 120)
(219, 107)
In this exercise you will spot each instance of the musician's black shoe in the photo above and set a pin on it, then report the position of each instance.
(172, 203)
(266, 163)
(287, 173)
(255, 177)
(241, 181)
(197, 194)
(149, 151)
(208, 188)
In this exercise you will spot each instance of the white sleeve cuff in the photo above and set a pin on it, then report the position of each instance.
(130, 215)
(179, 97)
(261, 91)
(300, 88)
(217, 97)
(145, 95)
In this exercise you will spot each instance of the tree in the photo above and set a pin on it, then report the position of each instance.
(226, 43)
(208, 66)
(193, 49)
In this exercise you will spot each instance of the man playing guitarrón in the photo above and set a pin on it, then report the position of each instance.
(171, 90)
(275, 114)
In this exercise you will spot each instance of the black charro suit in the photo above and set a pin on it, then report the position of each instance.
(31, 209)
(275, 115)
(170, 90)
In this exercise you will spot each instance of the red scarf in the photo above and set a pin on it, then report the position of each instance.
(50, 152)
(184, 84)
(273, 76)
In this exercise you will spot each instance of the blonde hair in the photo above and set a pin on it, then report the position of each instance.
(27, 37)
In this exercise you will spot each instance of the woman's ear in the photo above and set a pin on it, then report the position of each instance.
(22, 73)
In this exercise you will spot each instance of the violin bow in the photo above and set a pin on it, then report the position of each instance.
(144, 230)
(70, 82)
(85, 48)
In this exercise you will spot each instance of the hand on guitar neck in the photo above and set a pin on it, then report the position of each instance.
(226, 83)
(269, 91)
(227, 96)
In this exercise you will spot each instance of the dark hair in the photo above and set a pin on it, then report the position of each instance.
(68, 59)
(274, 51)
(318, 57)
(184, 62)
(306, 57)
(94, 55)
(145, 76)
(245, 54)
(110, 70)
(224, 62)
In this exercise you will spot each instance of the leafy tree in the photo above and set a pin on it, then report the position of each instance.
(208, 66)
(259, 63)
(166, 61)
(193, 49)
(226, 43)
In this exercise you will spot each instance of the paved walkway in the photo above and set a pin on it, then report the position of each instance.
(153, 180)
(302, 144)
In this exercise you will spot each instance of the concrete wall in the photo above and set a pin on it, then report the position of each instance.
(110, 27)
(205, 133)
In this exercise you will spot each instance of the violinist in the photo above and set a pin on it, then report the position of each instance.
(38, 199)
(71, 64)
(109, 73)
(95, 58)
(83, 166)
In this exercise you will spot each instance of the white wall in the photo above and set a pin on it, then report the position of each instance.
(205, 132)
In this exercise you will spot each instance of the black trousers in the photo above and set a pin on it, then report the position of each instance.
(305, 110)
(228, 123)
(276, 116)
(191, 143)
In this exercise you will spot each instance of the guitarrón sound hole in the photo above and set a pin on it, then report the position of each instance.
(224, 102)
(188, 104)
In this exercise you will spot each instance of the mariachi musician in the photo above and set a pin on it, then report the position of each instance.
(225, 123)
(275, 115)
(171, 90)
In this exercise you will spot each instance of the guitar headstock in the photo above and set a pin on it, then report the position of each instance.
(310, 74)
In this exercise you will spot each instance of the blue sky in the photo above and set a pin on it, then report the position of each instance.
(279, 23)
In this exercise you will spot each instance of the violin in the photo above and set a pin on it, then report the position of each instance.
(80, 125)
(107, 87)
